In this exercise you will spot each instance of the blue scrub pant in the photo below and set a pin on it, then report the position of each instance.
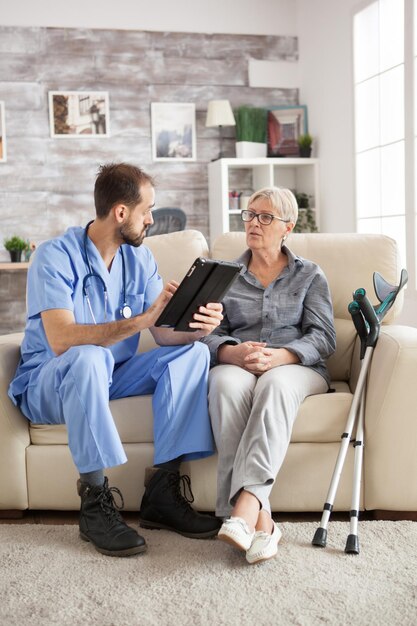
(75, 388)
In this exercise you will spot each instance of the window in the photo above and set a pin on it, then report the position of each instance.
(378, 45)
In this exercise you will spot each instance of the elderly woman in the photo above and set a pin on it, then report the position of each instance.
(270, 353)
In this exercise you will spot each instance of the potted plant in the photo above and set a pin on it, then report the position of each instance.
(15, 245)
(251, 129)
(306, 222)
(304, 144)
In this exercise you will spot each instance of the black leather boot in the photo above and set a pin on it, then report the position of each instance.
(164, 506)
(102, 524)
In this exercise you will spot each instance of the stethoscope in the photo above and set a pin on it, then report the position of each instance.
(125, 310)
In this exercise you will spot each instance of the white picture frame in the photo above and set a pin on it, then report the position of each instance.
(79, 114)
(3, 148)
(173, 131)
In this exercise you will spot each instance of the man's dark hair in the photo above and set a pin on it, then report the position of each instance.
(118, 183)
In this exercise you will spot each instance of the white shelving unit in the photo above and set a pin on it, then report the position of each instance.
(299, 174)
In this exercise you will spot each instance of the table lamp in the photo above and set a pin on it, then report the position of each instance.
(219, 113)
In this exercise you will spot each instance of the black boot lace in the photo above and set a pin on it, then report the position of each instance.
(108, 504)
(183, 496)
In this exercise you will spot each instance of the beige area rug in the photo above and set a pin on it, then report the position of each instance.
(48, 576)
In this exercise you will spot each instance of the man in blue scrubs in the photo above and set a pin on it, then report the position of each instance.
(90, 293)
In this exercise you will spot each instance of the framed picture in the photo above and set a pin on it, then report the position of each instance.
(173, 131)
(74, 114)
(3, 153)
(285, 125)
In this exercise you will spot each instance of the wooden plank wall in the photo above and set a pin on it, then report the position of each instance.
(12, 301)
(46, 184)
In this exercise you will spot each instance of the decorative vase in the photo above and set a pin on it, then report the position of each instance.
(305, 151)
(15, 256)
(250, 150)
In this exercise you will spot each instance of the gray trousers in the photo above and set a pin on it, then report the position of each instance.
(252, 419)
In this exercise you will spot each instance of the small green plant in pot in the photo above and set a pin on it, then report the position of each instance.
(306, 222)
(15, 246)
(251, 126)
(304, 144)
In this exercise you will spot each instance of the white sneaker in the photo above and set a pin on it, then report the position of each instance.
(264, 546)
(236, 532)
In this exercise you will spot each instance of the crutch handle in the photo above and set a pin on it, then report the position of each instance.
(359, 293)
(370, 316)
(358, 320)
(360, 325)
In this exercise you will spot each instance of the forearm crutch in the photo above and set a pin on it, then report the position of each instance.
(367, 320)
(367, 325)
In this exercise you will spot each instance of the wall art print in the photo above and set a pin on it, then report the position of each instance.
(173, 131)
(285, 125)
(78, 114)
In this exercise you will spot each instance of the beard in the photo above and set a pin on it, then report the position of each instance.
(130, 237)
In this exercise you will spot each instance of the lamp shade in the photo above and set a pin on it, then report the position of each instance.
(219, 113)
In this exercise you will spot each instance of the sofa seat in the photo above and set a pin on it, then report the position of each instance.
(321, 419)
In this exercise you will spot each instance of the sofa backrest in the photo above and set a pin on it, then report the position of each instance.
(348, 261)
(175, 252)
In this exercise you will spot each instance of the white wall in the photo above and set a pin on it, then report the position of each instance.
(325, 40)
(324, 28)
(260, 17)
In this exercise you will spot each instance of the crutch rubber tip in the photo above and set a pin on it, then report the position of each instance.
(352, 544)
(320, 538)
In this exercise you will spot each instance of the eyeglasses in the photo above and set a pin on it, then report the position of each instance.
(263, 218)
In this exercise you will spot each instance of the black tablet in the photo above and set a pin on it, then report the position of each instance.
(206, 281)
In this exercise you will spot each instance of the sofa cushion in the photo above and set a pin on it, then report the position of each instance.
(321, 419)
(132, 416)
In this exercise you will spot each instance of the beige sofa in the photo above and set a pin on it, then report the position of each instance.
(36, 470)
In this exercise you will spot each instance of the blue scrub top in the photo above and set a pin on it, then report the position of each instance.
(55, 281)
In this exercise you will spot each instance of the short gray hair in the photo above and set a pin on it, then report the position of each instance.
(283, 200)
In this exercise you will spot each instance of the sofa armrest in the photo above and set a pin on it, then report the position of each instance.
(390, 461)
(14, 432)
